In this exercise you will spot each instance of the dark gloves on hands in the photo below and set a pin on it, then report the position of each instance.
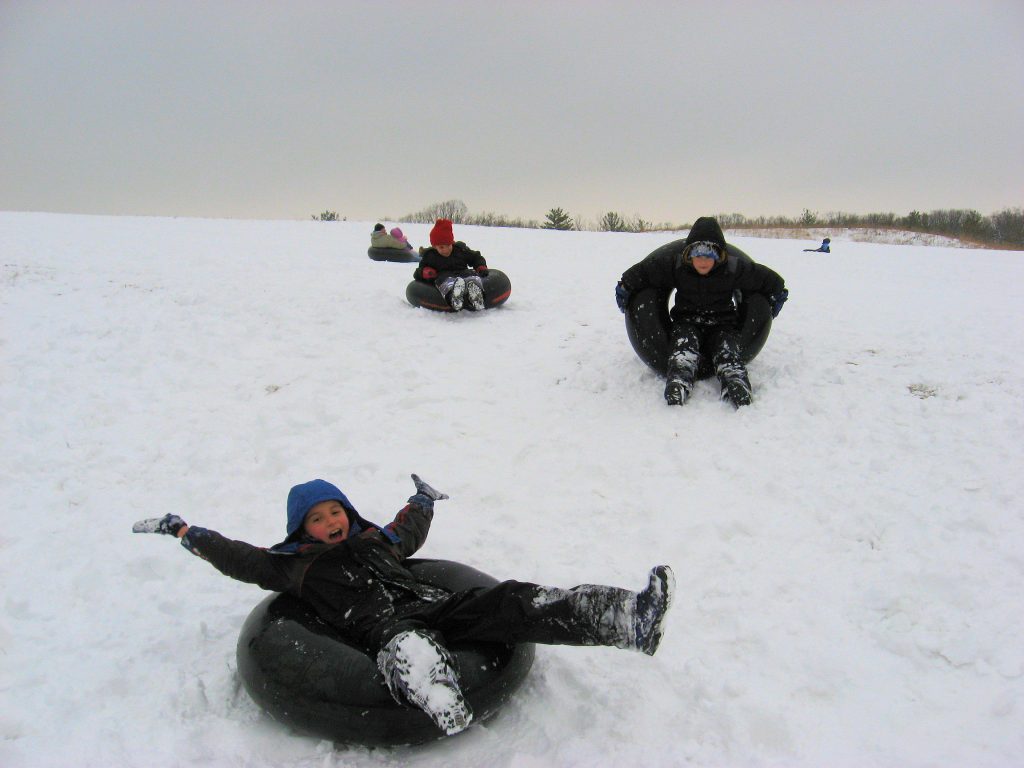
(777, 300)
(168, 525)
(621, 296)
(483, 271)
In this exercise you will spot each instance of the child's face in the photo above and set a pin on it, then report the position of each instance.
(327, 522)
(702, 265)
(444, 250)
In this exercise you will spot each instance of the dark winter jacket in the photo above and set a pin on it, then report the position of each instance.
(356, 586)
(705, 299)
(463, 260)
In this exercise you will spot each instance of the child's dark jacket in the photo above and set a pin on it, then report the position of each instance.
(702, 298)
(355, 585)
(463, 260)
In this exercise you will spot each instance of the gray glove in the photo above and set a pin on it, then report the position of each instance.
(168, 525)
(422, 489)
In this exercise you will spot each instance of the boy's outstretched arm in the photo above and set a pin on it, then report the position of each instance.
(237, 559)
(407, 532)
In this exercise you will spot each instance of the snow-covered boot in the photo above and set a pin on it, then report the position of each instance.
(476, 295)
(676, 391)
(621, 618)
(737, 392)
(420, 671)
(652, 605)
(732, 373)
(456, 297)
(682, 370)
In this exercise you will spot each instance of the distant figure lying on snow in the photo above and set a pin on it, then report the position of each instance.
(823, 248)
(351, 572)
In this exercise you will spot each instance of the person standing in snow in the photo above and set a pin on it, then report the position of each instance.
(705, 318)
(350, 571)
(454, 268)
(823, 248)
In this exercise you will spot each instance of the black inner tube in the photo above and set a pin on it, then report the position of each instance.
(648, 325)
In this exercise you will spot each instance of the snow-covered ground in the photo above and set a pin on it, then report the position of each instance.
(848, 549)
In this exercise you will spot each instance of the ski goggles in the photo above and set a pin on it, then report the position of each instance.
(704, 249)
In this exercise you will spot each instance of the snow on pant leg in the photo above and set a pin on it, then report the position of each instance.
(445, 285)
(684, 355)
(420, 670)
(515, 611)
(724, 344)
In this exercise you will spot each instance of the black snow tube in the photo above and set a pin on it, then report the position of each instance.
(497, 289)
(648, 325)
(303, 674)
(403, 255)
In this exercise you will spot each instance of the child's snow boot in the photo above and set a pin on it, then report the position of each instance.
(682, 370)
(622, 618)
(456, 297)
(420, 671)
(651, 608)
(676, 391)
(737, 392)
(476, 295)
(732, 374)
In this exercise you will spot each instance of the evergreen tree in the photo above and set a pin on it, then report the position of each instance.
(558, 219)
(612, 222)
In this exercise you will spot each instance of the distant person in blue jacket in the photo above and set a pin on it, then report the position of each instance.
(823, 248)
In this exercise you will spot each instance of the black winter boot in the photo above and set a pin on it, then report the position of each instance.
(624, 619)
(651, 607)
(676, 392)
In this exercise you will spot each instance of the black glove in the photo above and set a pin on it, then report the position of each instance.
(422, 489)
(777, 300)
(168, 525)
(483, 271)
(621, 296)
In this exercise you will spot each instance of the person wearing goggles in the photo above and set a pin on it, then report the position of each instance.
(705, 317)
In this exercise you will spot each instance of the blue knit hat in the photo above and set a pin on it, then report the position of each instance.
(303, 498)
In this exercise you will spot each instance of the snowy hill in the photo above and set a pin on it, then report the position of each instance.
(848, 549)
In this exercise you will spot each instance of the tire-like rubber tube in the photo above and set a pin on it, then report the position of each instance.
(497, 289)
(649, 326)
(402, 255)
(303, 674)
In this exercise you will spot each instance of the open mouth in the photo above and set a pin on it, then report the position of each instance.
(337, 535)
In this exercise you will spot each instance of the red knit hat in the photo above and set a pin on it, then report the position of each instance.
(441, 234)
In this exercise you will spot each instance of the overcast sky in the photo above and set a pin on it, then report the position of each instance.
(667, 110)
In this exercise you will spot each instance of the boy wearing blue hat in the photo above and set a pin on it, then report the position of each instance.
(350, 571)
(705, 319)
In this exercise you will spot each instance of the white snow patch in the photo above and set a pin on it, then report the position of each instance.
(848, 549)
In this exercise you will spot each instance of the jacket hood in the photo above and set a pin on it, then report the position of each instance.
(706, 229)
(301, 499)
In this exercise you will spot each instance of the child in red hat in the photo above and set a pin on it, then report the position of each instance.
(454, 268)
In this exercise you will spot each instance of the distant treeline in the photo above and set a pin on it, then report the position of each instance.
(1003, 229)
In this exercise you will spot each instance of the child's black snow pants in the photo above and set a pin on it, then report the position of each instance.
(692, 341)
(516, 612)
